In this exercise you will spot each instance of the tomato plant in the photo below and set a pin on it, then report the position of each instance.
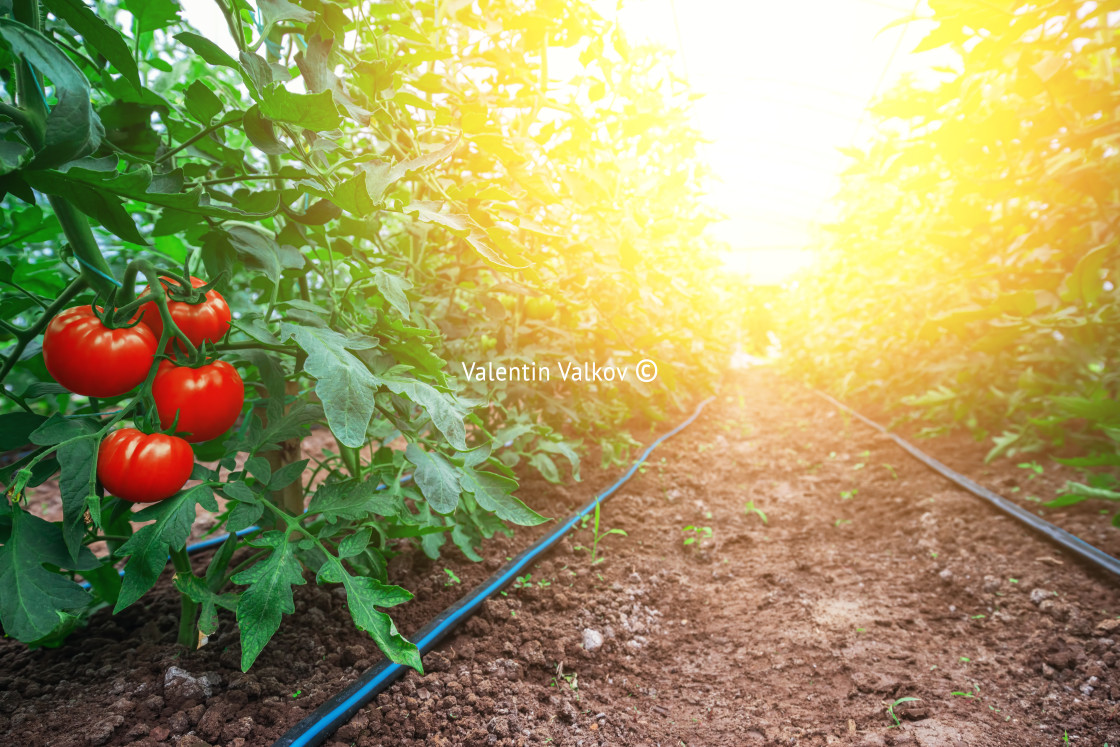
(331, 215)
(979, 236)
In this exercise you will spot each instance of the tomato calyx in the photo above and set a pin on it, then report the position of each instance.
(115, 318)
(187, 292)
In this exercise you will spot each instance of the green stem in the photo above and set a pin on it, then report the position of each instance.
(188, 611)
(32, 332)
(93, 266)
(191, 141)
(253, 345)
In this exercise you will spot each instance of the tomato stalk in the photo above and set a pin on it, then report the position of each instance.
(24, 337)
(159, 296)
(188, 610)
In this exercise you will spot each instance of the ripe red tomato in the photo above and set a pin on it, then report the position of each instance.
(143, 467)
(208, 320)
(208, 399)
(90, 359)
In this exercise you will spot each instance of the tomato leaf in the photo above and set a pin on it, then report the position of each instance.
(353, 500)
(73, 128)
(210, 52)
(363, 596)
(99, 35)
(437, 478)
(343, 382)
(33, 599)
(147, 549)
(311, 111)
(269, 593)
(495, 493)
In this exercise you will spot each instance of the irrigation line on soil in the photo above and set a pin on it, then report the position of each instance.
(327, 718)
(1069, 541)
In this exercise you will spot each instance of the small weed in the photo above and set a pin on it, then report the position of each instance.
(750, 508)
(841, 522)
(891, 469)
(1035, 468)
(452, 579)
(296, 694)
(846, 495)
(697, 533)
(597, 537)
(892, 706)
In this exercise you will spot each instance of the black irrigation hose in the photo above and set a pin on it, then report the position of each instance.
(320, 724)
(1069, 541)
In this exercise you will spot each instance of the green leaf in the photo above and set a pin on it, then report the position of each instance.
(343, 382)
(363, 596)
(287, 474)
(33, 599)
(147, 549)
(77, 483)
(202, 103)
(239, 491)
(73, 128)
(351, 500)
(153, 15)
(259, 468)
(16, 429)
(441, 408)
(275, 11)
(99, 35)
(311, 111)
(243, 516)
(262, 134)
(196, 589)
(354, 544)
(261, 247)
(437, 478)
(393, 288)
(546, 466)
(139, 184)
(495, 493)
(105, 208)
(269, 595)
(210, 52)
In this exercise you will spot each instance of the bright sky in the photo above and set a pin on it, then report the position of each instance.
(784, 84)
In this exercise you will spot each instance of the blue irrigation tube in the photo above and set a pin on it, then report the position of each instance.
(321, 723)
(1071, 542)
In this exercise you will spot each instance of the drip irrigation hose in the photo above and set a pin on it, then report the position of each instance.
(324, 720)
(1065, 539)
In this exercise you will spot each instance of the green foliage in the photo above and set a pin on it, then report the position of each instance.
(375, 188)
(978, 239)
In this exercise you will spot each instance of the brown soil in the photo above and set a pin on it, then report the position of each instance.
(801, 630)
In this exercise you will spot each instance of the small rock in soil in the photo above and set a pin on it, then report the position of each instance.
(180, 686)
(1038, 595)
(192, 741)
(592, 640)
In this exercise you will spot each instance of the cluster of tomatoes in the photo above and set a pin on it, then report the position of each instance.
(201, 402)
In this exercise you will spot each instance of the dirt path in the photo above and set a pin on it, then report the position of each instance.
(872, 580)
(797, 631)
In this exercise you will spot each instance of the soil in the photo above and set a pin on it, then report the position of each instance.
(865, 584)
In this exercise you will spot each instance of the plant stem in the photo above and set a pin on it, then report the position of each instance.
(93, 266)
(32, 332)
(188, 611)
